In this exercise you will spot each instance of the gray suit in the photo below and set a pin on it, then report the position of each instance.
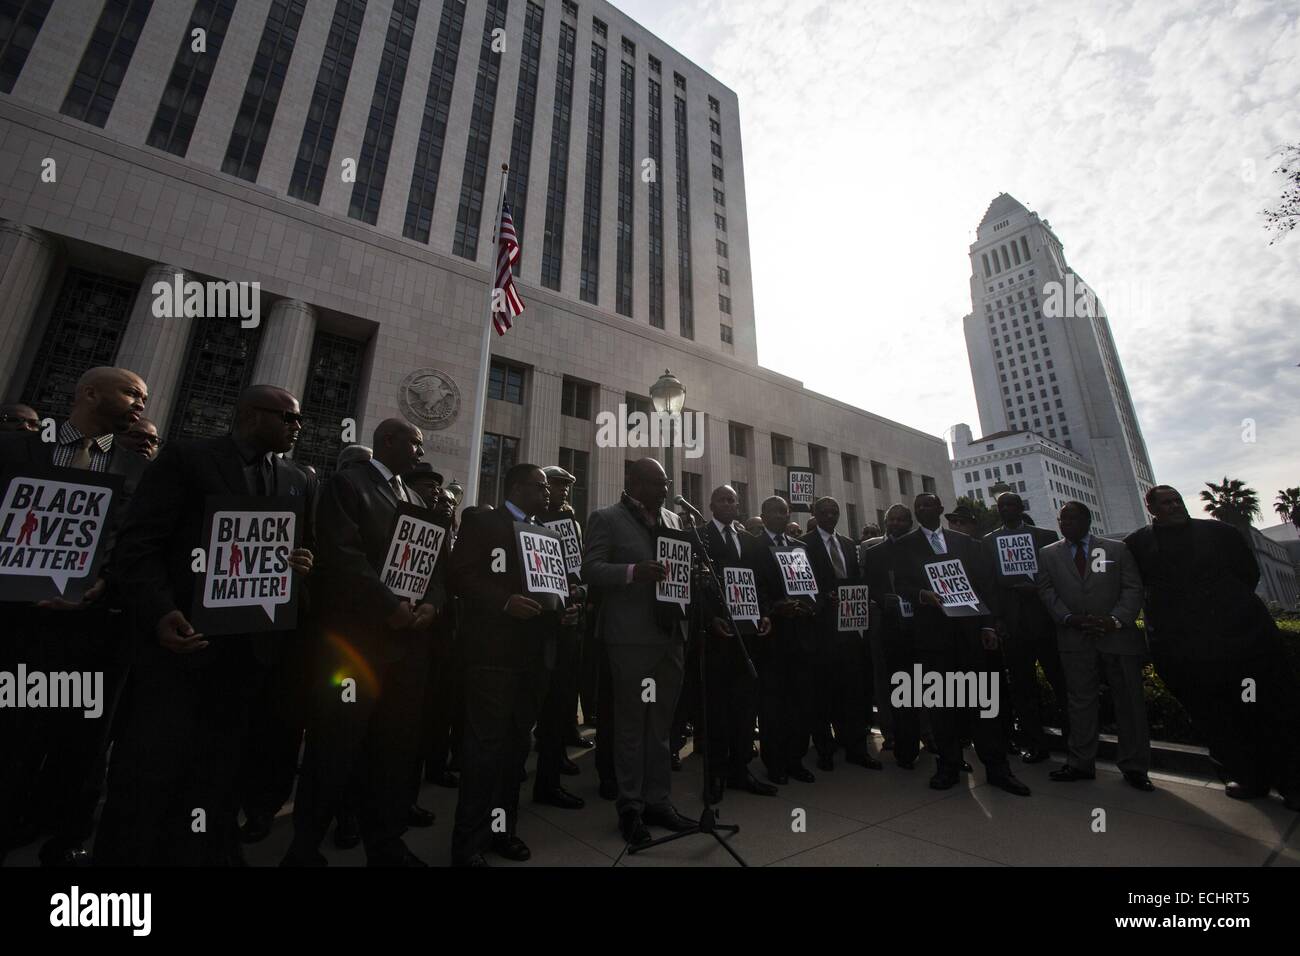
(1115, 591)
(639, 647)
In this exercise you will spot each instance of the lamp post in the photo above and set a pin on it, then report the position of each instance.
(669, 397)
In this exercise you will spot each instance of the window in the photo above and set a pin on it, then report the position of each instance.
(742, 494)
(332, 393)
(589, 277)
(656, 206)
(715, 127)
(717, 172)
(679, 81)
(575, 399)
(322, 122)
(736, 439)
(557, 177)
(726, 333)
(693, 487)
(218, 366)
(851, 513)
(724, 276)
(433, 127)
(105, 60)
(372, 165)
(187, 85)
(817, 459)
(685, 297)
(722, 248)
(782, 450)
(25, 18)
(506, 383)
(469, 208)
(713, 105)
(719, 197)
(879, 476)
(724, 303)
(655, 65)
(849, 469)
(905, 482)
(599, 28)
(500, 454)
(720, 222)
(716, 149)
(577, 464)
(626, 172)
(927, 484)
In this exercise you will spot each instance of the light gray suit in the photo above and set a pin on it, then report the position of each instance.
(639, 647)
(1113, 591)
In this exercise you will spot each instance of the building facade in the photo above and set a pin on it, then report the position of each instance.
(1043, 359)
(338, 162)
(1043, 472)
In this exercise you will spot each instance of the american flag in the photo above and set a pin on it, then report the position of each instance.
(507, 256)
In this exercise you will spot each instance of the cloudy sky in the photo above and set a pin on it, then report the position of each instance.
(1146, 132)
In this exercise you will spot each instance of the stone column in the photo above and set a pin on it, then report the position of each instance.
(154, 347)
(542, 431)
(285, 352)
(27, 257)
(607, 484)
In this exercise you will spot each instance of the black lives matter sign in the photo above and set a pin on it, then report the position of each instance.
(802, 484)
(53, 524)
(741, 594)
(854, 607)
(949, 580)
(567, 529)
(1016, 554)
(541, 557)
(246, 583)
(673, 551)
(412, 553)
(796, 572)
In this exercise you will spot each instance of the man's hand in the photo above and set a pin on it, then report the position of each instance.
(522, 608)
(424, 615)
(786, 608)
(930, 598)
(175, 634)
(764, 626)
(989, 638)
(402, 618)
(300, 559)
(570, 615)
(93, 594)
(721, 628)
(649, 571)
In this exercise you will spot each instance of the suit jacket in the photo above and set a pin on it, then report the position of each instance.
(616, 538)
(934, 630)
(1005, 600)
(751, 556)
(355, 518)
(788, 633)
(1115, 592)
(828, 581)
(165, 524)
(27, 449)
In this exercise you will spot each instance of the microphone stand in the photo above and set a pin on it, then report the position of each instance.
(704, 579)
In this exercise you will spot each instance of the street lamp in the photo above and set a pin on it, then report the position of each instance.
(669, 397)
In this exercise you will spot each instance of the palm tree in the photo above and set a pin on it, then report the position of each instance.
(1231, 502)
(1287, 505)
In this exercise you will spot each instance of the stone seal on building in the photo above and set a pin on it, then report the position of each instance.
(429, 398)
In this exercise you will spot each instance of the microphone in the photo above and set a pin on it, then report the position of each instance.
(681, 502)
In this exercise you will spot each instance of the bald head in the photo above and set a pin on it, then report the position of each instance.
(19, 418)
(267, 418)
(725, 504)
(398, 445)
(648, 483)
(107, 400)
(1011, 509)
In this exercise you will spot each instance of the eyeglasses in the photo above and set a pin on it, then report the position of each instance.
(150, 440)
(289, 418)
(34, 422)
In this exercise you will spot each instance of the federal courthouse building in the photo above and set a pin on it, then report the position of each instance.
(344, 155)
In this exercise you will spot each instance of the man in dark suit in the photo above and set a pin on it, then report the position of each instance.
(897, 653)
(783, 659)
(952, 645)
(1028, 632)
(381, 641)
(19, 418)
(620, 562)
(1212, 639)
(557, 722)
(835, 691)
(509, 644)
(731, 692)
(190, 699)
(61, 636)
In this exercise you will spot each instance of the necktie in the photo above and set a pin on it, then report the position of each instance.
(396, 483)
(934, 542)
(1080, 559)
(81, 457)
(837, 559)
(732, 544)
(265, 476)
(780, 541)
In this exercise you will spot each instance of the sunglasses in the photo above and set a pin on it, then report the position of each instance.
(19, 418)
(289, 418)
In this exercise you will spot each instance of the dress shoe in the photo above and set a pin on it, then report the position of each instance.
(609, 789)
(748, 781)
(559, 797)
(668, 818)
(1006, 780)
(1034, 756)
(716, 790)
(1138, 780)
(569, 768)
(304, 858)
(511, 847)
(1069, 774)
(579, 741)
(477, 860)
(966, 767)
(633, 829)
(61, 856)
(798, 772)
(778, 778)
(256, 828)
(396, 857)
(888, 744)
(864, 760)
(676, 761)
(1239, 791)
(944, 780)
(347, 831)
(825, 762)
(419, 817)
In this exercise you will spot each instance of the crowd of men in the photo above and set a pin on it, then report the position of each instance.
(204, 739)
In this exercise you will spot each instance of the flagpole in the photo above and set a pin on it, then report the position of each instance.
(485, 356)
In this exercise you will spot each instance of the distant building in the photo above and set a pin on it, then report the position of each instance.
(1287, 538)
(1043, 472)
(1043, 360)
